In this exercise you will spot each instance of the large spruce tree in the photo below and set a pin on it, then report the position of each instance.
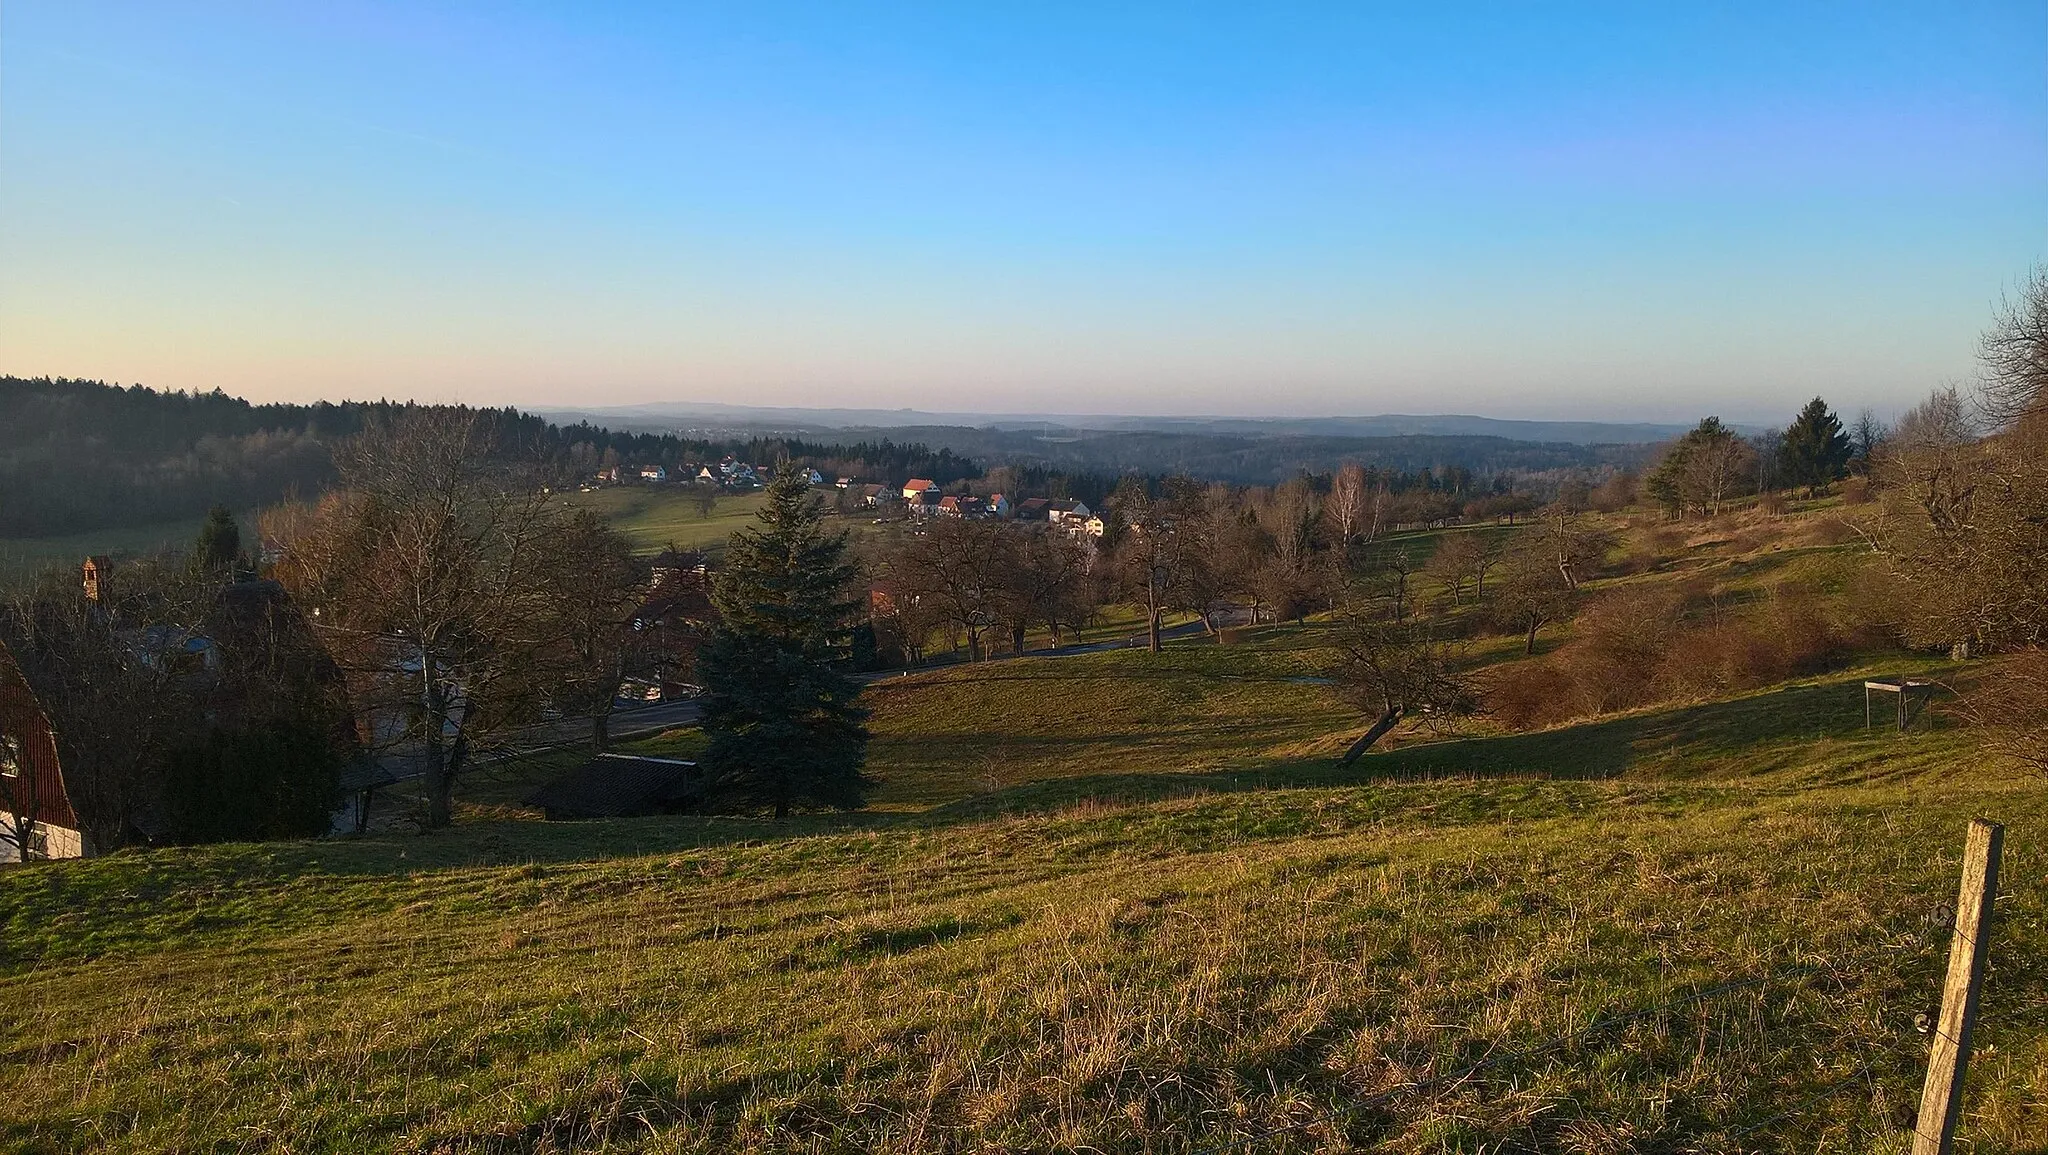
(1816, 450)
(785, 732)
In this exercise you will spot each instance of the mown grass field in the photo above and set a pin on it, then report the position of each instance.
(22, 557)
(1105, 902)
(658, 517)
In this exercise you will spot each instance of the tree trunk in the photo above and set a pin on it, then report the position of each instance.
(440, 810)
(1152, 631)
(1529, 642)
(600, 732)
(1379, 729)
(1017, 639)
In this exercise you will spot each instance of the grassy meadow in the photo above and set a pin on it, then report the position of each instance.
(658, 517)
(22, 557)
(1103, 902)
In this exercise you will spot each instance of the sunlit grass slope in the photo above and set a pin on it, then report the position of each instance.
(946, 735)
(1063, 966)
(656, 518)
(1110, 902)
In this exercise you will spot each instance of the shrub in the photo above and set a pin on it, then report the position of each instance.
(2011, 703)
(1529, 695)
(1637, 647)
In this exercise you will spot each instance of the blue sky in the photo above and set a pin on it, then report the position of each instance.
(1635, 211)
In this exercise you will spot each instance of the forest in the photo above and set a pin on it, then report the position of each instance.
(77, 456)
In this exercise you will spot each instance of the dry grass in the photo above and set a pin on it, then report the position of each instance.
(1123, 903)
(1114, 978)
(946, 735)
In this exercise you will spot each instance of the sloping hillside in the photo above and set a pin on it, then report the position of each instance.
(1106, 901)
(1537, 954)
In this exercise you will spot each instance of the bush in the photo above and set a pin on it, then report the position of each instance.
(1636, 648)
(1616, 493)
(1528, 695)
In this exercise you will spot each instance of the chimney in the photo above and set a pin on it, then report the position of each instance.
(95, 579)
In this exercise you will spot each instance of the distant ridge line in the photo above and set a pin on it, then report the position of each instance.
(794, 419)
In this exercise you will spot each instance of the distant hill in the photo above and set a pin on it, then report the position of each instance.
(694, 414)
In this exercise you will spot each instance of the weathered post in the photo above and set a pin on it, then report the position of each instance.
(1941, 1101)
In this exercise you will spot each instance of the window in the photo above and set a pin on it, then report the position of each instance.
(10, 756)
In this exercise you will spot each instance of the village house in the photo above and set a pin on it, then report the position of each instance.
(252, 640)
(654, 473)
(916, 488)
(31, 781)
(998, 505)
(1033, 509)
(1063, 510)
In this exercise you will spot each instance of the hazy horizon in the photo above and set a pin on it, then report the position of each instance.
(1590, 213)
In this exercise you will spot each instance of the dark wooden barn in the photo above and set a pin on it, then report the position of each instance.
(621, 786)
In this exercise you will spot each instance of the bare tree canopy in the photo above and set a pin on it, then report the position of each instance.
(2015, 354)
(430, 579)
(1393, 671)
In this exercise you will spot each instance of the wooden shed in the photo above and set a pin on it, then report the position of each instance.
(621, 786)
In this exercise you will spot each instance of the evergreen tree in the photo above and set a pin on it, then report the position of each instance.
(1816, 450)
(784, 729)
(219, 541)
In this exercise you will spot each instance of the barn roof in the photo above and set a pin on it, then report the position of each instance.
(619, 786)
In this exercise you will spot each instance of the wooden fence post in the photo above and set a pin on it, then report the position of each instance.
(1941, 1101)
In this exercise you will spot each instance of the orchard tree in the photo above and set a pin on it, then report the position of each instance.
(784, 727)
(1393, 670)
(1529, 594)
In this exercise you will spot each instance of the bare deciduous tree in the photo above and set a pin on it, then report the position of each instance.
(111, 672)
(1166, 547)
(1457, 562)
(1348, 507)
(1529, 594)
(594, 584)
(427, 578)
(1396, 670)
(2015, 355)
